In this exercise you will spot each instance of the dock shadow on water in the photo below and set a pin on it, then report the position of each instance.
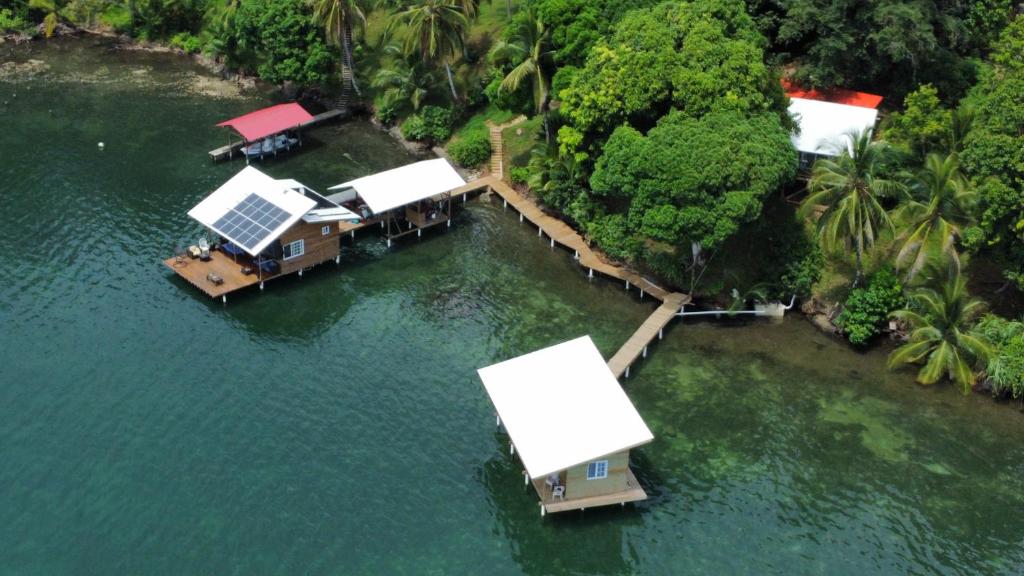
(335, 423)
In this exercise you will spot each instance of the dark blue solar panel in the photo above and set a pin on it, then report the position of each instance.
(251, 221)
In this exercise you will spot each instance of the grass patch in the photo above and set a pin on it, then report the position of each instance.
(520, 139)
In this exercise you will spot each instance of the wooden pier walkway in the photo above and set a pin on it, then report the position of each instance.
(652, 328)
(229, 150)
(561, 233)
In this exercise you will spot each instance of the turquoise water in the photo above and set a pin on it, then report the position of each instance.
(334, 424)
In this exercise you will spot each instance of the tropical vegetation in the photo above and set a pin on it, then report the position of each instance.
(659, 128)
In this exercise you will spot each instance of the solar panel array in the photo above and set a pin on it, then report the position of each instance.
(251, 221)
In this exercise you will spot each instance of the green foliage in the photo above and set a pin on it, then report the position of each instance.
(519, 174)
(803, 270)
(889, 46)
(517, 100)
(432, 124)
(11, 22)
(187, 42)
(867, 308)
(691, 180)
(923, 125)
(576, 25)
(696, 57)
(993, 155)
(940, 317)
(164, 18)
(280, 40)
(1005, 368)
(471, 150)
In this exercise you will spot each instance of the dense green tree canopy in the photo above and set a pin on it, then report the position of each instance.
(993, 153)
(886, 45)
(281, 40)
(690, 180)
(576, 25)
(695, 57)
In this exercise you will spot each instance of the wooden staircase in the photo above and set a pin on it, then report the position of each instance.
(497, 153)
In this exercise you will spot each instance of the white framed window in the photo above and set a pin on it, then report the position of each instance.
(597, 470)
(325, 230)
(294, 249)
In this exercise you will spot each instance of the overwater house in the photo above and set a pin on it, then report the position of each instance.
(826, 119)
(571, 424)
(405, 200)
(265, 132)
(265, 228)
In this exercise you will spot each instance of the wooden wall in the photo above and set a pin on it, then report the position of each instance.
(318, 248)
(577, 485)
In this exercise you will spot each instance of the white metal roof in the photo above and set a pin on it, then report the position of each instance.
(824, 125)
(404, 185)
(562, 406)
(251, 181)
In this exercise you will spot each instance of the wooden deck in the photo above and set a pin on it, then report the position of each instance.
(230, 149)
(648, 331)
(561, 233)
(632, 493)
(195, 271)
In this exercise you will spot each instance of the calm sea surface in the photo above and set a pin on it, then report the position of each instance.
(335, 425)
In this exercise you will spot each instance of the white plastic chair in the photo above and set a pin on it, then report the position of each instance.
(558, 492)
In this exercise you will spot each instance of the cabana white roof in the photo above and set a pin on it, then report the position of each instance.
(824, 125)
(252, 209)
(404, 185)
(562, 407)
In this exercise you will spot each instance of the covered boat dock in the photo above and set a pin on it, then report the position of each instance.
(254, 128)
(571, 424)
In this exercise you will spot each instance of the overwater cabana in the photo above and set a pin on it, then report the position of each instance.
(826, 117)
(265, 132)
(571, 424)
(265, 228)
(405, 200)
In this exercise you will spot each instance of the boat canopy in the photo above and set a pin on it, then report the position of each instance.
(404, 185)
(268, 121)
(563, 407)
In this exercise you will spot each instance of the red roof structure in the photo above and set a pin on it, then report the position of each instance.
(269, 121)
(834, 95)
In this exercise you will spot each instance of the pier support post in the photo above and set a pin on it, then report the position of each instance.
(224, 299)
(627, 371)
(261, 285)
(552, 242)
(539, 232)
(526, 478)
(542, 510)
(520, 217)
(381, 224)
(661, 333)
(449, 223)
(641, 293)
(389, 242)
(497, 421)
(419, 232)
(627, 285)
(645, 351)
(511, 448)
(337, 259)
(300, 272)
(352, 234)
(504, 203)
(590, 272)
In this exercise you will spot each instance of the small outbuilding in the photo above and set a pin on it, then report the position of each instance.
(827, 117)
(571, 424)
(265, 132)
(265, 228)
(406, 199)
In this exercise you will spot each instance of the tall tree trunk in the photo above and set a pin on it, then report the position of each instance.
(451, 80)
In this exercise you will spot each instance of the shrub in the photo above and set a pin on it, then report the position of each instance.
(11, 21)
(1005, 368)
(385, 107)
(867, 308)
(471, 150)
(187, 42)
(432, 124)
(519, 174)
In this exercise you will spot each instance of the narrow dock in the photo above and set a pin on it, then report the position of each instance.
(562, 234)
(652, 328)
(230, 149)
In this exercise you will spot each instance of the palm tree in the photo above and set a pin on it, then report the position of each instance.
(436, 30)
(337, 18)
(528, 50)
(403, 81)
(941, 336)
(846, 191)
(52, 9)
(938, 208)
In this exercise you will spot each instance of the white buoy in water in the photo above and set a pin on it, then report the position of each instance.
(100, 145)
